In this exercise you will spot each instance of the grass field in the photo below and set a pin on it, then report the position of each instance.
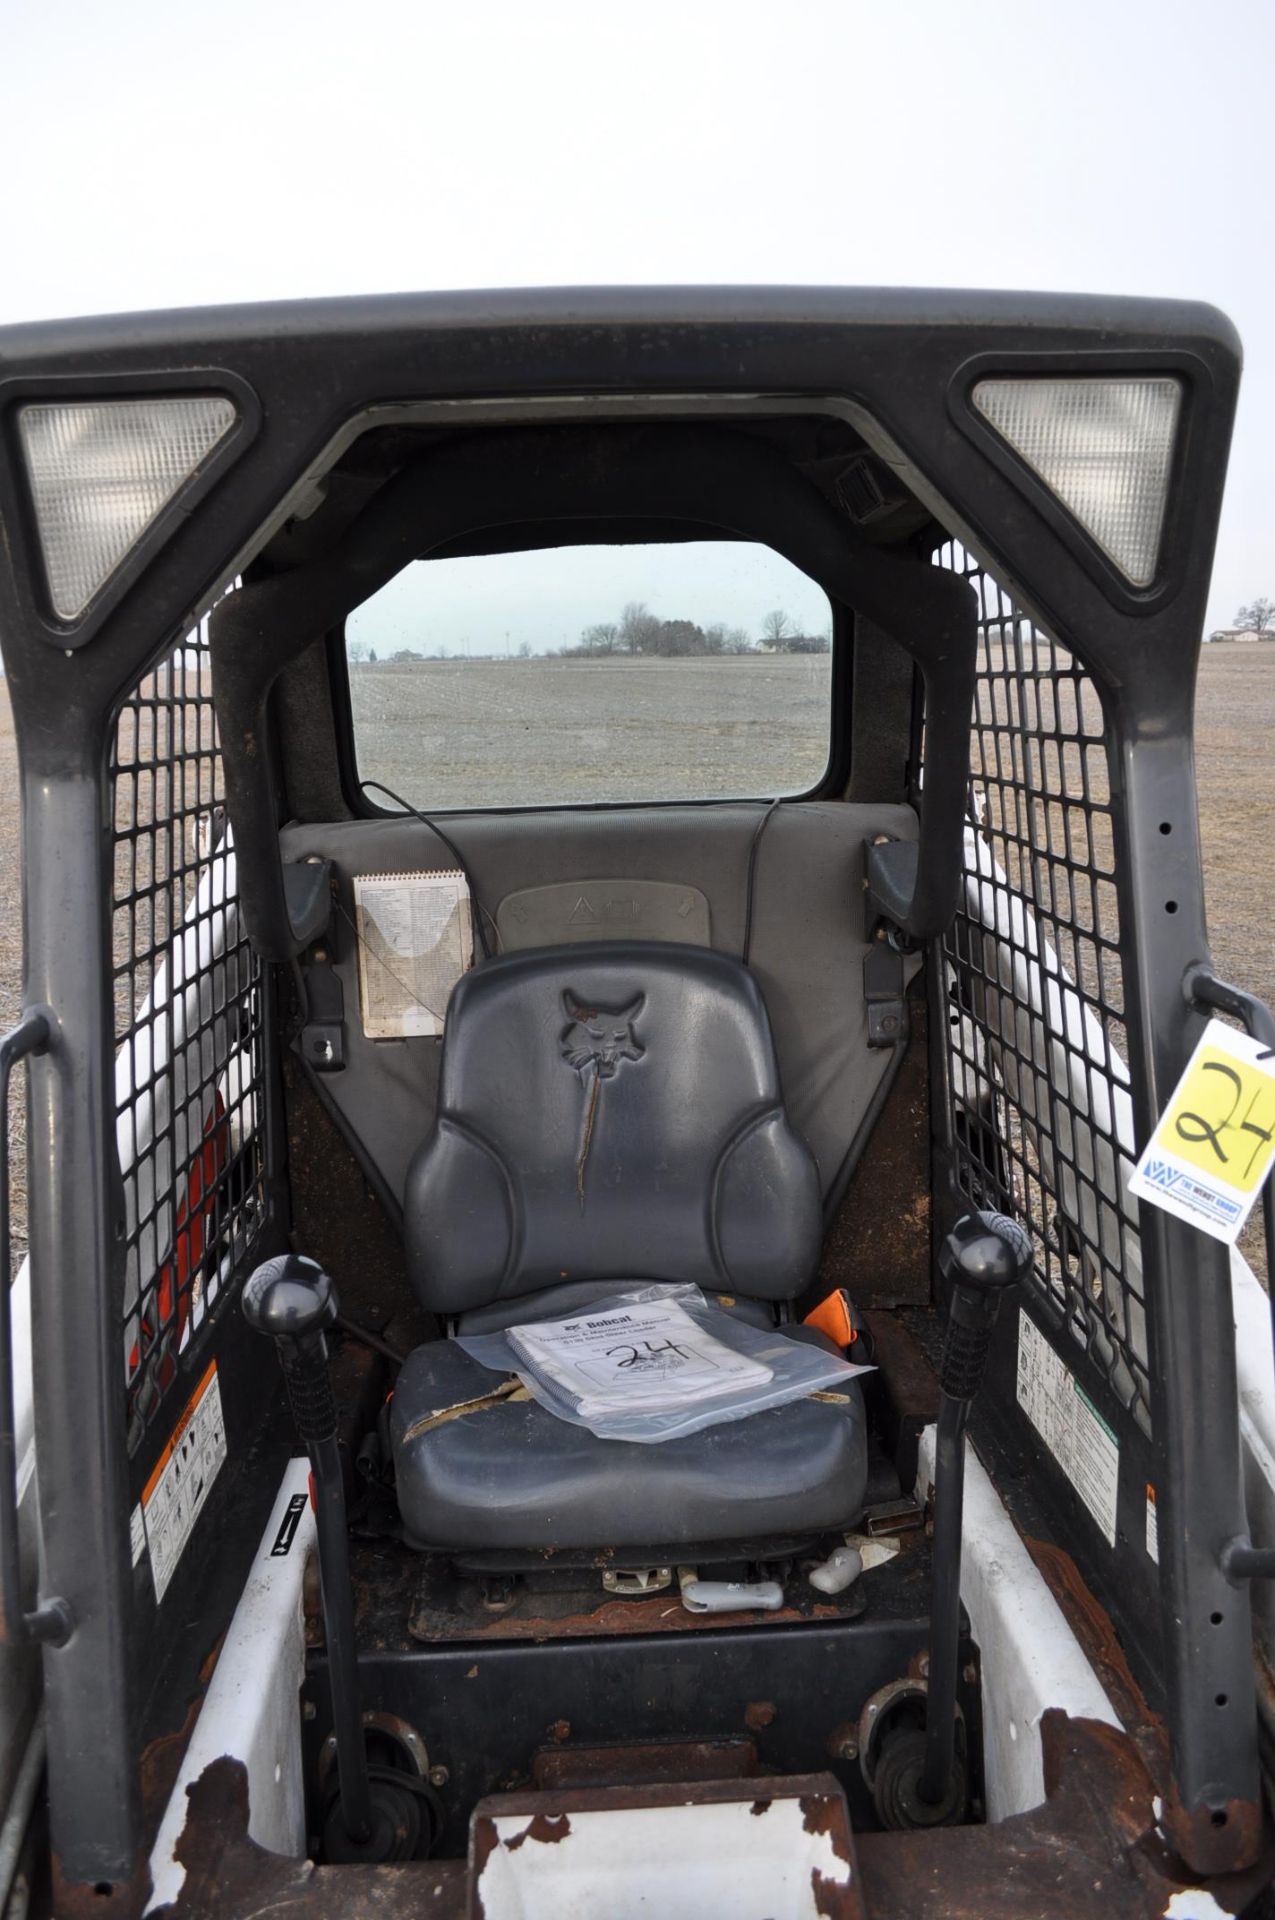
(716, 702)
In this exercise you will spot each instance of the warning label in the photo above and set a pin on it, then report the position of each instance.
(177, 1491)
(1070, 1425)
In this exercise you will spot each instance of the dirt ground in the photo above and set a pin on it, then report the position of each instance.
(1235, 770)
(526, 732)
(1235, 757)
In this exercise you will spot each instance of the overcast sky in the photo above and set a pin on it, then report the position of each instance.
(493, 603)
(158, 155)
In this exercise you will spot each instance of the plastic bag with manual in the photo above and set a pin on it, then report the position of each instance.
(653, 1362)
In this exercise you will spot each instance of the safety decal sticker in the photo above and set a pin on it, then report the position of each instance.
(1153, 1526)
(1209, 1156)
(177, 1491)
(288, 1527)
(1070, 1425)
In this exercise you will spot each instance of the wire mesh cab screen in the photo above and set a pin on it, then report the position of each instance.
(1039, 1087)
(188, 1008)
(1041, 1123)
(1039, 1117)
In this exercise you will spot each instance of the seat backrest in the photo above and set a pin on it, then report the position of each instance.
(609, 1111)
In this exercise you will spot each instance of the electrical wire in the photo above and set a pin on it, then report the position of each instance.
(750, 888)
(480, 912)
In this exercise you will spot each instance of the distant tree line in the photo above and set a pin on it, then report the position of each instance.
(1257, 617)
(639, 634)
(359, 653)
(642, 634)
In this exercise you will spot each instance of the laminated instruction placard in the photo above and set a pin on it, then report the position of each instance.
(1209, 1156)
(416, 938)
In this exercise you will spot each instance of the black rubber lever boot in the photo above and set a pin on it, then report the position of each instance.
(294, 1301)
(984, 1255)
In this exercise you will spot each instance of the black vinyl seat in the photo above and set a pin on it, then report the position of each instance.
(609, 1114)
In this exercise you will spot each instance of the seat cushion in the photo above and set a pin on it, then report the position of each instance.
(477, 1468)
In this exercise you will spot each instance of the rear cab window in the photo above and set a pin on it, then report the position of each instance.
(589, 675)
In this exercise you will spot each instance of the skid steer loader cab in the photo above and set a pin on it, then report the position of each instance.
(612, 899)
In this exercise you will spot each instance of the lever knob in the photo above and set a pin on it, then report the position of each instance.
(290, 1297)
(293, 1299)
(983, 1256)
(987, 1252)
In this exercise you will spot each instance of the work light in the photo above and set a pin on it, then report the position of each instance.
(102, 471)
(1103, 447)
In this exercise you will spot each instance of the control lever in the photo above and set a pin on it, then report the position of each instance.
(983, 1256)
(294, 1301)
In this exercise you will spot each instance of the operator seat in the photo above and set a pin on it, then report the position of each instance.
(609, 1113)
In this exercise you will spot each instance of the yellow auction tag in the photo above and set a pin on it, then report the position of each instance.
(1215, 1143)
(1222, 1117)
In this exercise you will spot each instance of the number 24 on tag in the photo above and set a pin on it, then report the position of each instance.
(1211, 1152)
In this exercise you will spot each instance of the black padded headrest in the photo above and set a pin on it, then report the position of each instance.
(609, 1111)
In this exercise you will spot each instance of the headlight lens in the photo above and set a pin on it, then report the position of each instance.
(1103, 447)
(101, 471)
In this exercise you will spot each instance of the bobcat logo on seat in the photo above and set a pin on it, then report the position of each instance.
(598, 1039)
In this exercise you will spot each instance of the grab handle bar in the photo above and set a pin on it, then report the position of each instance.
(51, 1620)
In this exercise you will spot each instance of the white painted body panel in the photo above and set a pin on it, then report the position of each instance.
(717, 1862)
(251, 1710)
(1031, 1660)
(1255, 1365)
(20, 1676)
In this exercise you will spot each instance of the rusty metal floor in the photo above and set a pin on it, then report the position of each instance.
(1092, 1848)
